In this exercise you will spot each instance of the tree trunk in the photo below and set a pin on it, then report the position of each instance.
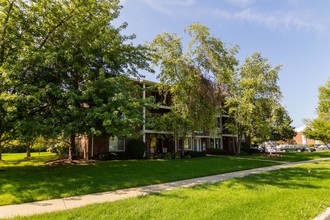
(234, 148)
(182, 151)
(239, 142)
(28, 152)
(1, 150)
(72, 146)
(28, 147)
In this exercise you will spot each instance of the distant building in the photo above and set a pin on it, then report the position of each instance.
(301, 139)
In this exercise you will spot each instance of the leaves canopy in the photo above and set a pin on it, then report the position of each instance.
(319, 128)
(69, 67)
(196, 78)
(255, 101)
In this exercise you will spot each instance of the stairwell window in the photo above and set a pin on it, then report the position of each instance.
(116, 144)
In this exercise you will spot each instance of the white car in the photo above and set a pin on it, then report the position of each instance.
(322, 147)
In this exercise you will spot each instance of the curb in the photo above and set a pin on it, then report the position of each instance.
(324, 216)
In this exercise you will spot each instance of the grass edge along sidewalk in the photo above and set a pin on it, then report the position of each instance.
(22, 184)
(78, 201)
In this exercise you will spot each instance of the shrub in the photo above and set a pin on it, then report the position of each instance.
(62, 149)
(251, 150)
(107, 156)
(216, 151)
(171, 156)
(14, 149)
(194, 154)
(135, 149)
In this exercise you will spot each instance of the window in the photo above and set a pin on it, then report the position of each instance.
(218, 122)
(215, 143)
(187, 144)
(116, 144)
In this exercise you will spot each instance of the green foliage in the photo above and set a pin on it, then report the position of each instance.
(215, 151)
(281, 125)
(168, 156)
(62, 149)
(135, 149)
(14, 149)
(66, 68)
(194, 154)
(112, 156)
(319, 128)
(196, 79)
(255, 102)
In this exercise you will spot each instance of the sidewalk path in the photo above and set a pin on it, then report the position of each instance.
(26, 209)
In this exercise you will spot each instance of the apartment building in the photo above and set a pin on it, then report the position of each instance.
(159, 141)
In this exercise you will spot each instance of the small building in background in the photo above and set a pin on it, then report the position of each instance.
(301, 139)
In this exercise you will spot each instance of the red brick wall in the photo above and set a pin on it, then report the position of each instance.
(298, 139)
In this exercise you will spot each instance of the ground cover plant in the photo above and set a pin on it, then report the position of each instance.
(300, 192)
(23, 181)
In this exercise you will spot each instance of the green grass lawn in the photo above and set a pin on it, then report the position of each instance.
(292, 157)
(19, 160)
(295, 193)
(25, 180)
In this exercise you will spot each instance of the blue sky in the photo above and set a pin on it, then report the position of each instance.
(293, 33)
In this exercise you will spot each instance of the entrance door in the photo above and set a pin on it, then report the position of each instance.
(197, 144)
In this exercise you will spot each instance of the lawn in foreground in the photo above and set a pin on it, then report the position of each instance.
(25, 183)
(295, 193)
(292, 157)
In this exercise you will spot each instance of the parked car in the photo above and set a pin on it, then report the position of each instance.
(292, 148)
(322, 147)
(309, 149)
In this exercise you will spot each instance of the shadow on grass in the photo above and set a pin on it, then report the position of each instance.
(32, 183)
(289, 178)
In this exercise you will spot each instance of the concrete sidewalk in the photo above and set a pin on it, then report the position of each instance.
(78, 201)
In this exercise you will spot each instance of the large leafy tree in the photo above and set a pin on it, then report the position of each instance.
(319, 128)
(10, 45)
(71, 65)
(255, 99)
(195, 78)
(281, 125)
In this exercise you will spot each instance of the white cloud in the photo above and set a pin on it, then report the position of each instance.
(289, 20)
(241, 3)
(165, 5)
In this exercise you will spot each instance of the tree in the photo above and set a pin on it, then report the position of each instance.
(319, 128)
(76, 65)
(254, 100)
(195, 79)
(281, 125)
(10, 44)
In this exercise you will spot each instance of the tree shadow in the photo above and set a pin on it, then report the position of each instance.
(288, 178)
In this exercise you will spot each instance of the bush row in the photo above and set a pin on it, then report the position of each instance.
(21, 149)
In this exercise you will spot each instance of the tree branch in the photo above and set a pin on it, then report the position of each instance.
(2, 51)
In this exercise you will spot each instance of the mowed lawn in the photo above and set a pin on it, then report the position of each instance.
(25, 180)
(292, 157)
(300, 192)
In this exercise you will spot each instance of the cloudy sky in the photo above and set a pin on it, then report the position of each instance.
(293, 33)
